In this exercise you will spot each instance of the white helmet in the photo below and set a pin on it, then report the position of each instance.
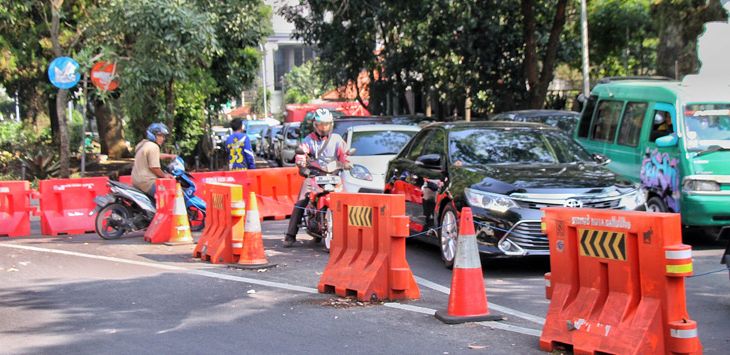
(323, 121)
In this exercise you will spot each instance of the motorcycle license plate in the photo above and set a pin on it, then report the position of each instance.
(324, 180)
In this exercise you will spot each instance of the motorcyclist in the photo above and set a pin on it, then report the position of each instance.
(321, 144)
(146, 168)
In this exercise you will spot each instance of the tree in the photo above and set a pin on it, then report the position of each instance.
(208, 48)
(475, 54)
(303, 83)
(679, 23)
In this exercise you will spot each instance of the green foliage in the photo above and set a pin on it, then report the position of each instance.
(190, 114)
(258, 103)
(622, 38)
(304, 83)
(23, 146)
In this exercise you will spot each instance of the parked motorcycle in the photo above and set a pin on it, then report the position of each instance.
(323, 177)
(127, 209)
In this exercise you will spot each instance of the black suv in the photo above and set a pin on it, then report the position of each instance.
(506, 172)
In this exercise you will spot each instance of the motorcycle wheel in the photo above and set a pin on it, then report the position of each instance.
(196, 217)
(327, 230)
(109, 221)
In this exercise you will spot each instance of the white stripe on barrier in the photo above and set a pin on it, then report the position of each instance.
(683, 333)
(237, 245)
(678, 254)
(547, 282)
(436, 287)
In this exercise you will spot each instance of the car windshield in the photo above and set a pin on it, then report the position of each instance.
(707, 125)
(255, 128)
(483, 145)
(380, 142)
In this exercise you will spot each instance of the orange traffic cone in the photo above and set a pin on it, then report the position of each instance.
(180, 233)
(468, 297)
(252, 253)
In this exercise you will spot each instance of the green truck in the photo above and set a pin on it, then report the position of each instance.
(671, 137)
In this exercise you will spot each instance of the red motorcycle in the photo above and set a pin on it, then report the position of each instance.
(323, 177)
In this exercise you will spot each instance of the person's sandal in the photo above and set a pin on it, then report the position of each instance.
(289, 241)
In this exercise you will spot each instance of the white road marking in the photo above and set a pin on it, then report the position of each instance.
(443, 289)
(406, 307)
(496, 325)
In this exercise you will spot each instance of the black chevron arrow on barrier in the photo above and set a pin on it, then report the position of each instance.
(583, 240)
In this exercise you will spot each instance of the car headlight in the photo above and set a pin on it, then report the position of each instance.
(360, 172)
(700, 185)
(633, 200)
(490, 201)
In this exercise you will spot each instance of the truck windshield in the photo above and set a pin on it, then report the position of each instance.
(707, 125)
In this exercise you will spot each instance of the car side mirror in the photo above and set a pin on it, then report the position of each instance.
(669, 140)
(601, 159)
(431, 161)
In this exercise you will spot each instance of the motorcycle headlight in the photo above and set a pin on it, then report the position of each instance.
(490, 201)
(360, 172)
(700, 185)
(633, 200)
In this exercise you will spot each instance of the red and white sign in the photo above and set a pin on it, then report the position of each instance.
(104, 76)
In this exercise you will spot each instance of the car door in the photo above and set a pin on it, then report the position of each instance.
(660, 165)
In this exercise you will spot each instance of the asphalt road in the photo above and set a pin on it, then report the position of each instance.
(83, 295)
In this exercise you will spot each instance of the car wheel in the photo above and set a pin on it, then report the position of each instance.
(448, 235)
(656, 204)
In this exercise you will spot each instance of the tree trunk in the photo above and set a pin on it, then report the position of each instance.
(539, 91)
(62, 95)
(530, 62)
(111, 132)
(170, 102)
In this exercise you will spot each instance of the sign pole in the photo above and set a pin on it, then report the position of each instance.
(83, 126)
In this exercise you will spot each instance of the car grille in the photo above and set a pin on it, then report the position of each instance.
(529, 236)
(536, 205)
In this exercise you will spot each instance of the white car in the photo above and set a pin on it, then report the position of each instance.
(375, 145)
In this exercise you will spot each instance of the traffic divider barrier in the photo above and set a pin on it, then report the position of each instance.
(65, 204)
(616, 284)
(126, 179)
(276, 189)
(468, 296)
(160, 229)
(222, 237)
(15, 208)
(368, 250)
(253, 255)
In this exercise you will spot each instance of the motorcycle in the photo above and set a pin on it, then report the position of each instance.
(127, 209)
(323, 175)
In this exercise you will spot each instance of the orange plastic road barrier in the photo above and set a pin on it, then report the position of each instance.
(65, 204)
(252, 254)
(224, 220)
(616, 284)
(180, 232)
(15, 208)
(126, 179)
(277, 190)
(368, 250)
(160, 228)
(468, 297)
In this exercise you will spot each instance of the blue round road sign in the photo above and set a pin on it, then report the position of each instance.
(64, 72)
